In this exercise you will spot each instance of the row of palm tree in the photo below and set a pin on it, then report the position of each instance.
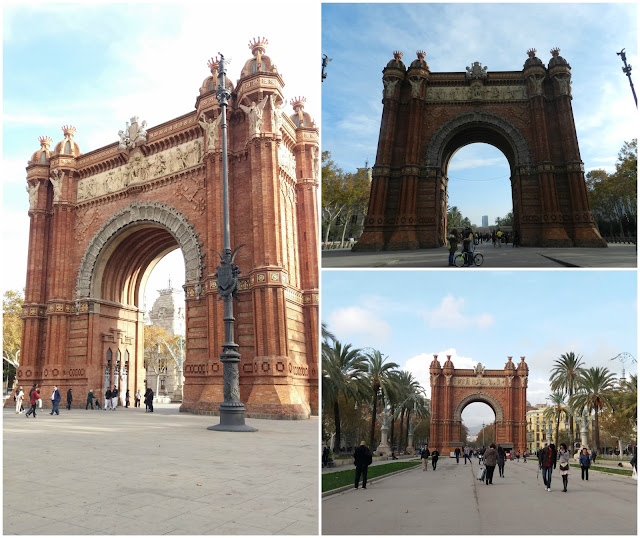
(593, 389)
(353, 376)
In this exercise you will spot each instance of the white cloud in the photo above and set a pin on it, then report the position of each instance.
(449, 314)
(345, 322)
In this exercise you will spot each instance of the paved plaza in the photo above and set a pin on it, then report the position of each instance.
(615, 255)
(451, 501)
(129, 472)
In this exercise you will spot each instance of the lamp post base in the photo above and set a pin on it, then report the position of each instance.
(232, 419)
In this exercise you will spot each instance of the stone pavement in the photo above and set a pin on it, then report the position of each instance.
(130, 472)
(451, 501)
(615, 255)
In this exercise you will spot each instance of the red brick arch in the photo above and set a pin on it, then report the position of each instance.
(427, 116)
(505, 391)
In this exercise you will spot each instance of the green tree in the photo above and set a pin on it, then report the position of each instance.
(594, 391)
(564, 378)
(342, 372)
(355, 196)
(379, 377)
(11, 333)
(507, 220)
(161, 350)
(333, 200)
(556, 411)
(454, 217)
(621, 420)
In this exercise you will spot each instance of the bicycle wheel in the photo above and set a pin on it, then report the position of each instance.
(478, 259)
(459, 260)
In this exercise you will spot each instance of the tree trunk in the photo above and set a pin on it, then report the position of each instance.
(336, 419)
(557, 429)
(326, 236)
(373, 418)
(344, 230)
(401, 438)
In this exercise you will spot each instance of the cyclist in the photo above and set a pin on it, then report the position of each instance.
(467, 246)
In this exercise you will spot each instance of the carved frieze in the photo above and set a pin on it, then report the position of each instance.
(478, 381)
(141, 169)
(477, 92)
(286, 160)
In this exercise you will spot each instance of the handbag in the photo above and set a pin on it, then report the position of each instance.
(564, 466)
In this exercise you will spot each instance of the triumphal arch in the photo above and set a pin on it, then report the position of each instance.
(505, 391)
(100, 221)
(428, 116)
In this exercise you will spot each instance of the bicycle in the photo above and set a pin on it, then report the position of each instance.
(459, 259)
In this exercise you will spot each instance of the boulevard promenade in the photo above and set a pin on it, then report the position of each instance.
(127, 472)
(451, 501)
(615, 255)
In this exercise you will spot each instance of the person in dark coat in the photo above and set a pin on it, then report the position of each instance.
(89, 400)
(362, 458)
(490, 461)
(56, 397)
(424, 456)
(585, 463)
(126, 399)
(33, 400)
(148, 400)
(69, 399)
(502, 456)
(107, 399)
(547, 462)
(434, 458)
(457, 453)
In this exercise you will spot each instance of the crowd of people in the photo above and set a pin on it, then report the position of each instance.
(111, 399)
(471, 239)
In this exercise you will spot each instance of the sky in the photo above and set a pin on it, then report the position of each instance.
(411, 315)
(361, 38)
(94, 65)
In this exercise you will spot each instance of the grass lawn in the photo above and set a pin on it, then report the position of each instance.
(344, 478)
(610, 470)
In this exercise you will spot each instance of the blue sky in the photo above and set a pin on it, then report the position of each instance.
(94, 65)
(411, 315)
(360, 39)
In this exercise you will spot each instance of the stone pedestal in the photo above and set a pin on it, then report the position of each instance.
(383, 448)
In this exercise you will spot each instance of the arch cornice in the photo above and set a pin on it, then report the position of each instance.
(479, 397)
(139, 213)
(512, 134)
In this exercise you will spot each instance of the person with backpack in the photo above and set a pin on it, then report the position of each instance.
(424, 456)
(362, 458)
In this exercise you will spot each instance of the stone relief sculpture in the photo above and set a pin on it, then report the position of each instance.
(254, 111)
(389, 87)
(416, 83)
(211, 129)
(276, 114)
(56, 181)
(140, 169)
(315, 154)
(133, 135)
(286, 160)
(477, 92)
(33, 195)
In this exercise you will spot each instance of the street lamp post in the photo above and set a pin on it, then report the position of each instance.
(232, 411)
(483, 434)
(627, 71)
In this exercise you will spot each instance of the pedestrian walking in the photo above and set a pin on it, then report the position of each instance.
(19, 395)
(126, 399)
(585, 463)
(137, 398)
(89, 400)
(362, 458)
(33, 400)
(107, 399)
(434, 458)
(114, 398)
(502, 456)
(148, 400)
(457, 453)
(547, 462)
(524, 455)
(69, 399)
(563, 459)
(518, 456)
(56, 397)
(467, 454)
(453, 246)
(490, 461)
(594, 453)
(424, 456)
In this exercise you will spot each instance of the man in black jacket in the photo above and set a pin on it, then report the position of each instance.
(362, 458)
(547, 462)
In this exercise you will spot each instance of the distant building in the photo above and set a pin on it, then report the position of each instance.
(485, 221)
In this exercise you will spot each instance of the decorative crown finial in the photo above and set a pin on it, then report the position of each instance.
(69, 131)
(531, 52)
(397, 55)
(555, 51)
(421, 54)
(298, 102)
(258, 45)
(45, 141)
(213, 65)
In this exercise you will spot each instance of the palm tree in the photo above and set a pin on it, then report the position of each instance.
(379, 374)
(594, 390)
(342, 372)
(327, 334)
(412, 394)
(564, 377)
(556, 411)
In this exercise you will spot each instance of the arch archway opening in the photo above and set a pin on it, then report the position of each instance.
(477, 184)
(478, 422)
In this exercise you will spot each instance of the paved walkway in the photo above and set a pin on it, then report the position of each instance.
(129, 472)
(451, 501)
(616, 255)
